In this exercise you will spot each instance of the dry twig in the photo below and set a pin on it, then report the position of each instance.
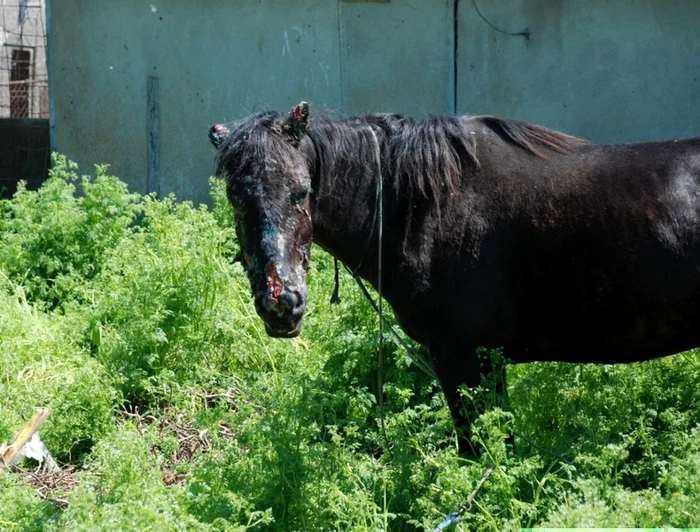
(191, 441)
(52, 486)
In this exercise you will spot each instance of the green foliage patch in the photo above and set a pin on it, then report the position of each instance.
(124, 314)
(43, 366)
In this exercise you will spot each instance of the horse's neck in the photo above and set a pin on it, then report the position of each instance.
(345, 207)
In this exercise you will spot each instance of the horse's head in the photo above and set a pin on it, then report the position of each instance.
(262, 158)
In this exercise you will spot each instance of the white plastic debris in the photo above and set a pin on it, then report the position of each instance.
(36, 450)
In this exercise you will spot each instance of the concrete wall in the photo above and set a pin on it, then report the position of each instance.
(397, 56)
(611, 71)
(221, 60)
(213, 60)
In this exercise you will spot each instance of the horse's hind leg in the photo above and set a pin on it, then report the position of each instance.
(471, 369)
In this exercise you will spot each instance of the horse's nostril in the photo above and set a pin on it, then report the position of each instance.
(289, 300)
(268, 305)
(289, 303)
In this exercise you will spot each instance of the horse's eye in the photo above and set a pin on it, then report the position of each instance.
(298, 196)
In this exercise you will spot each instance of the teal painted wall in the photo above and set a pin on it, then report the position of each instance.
(608, 70)
(214, 61)
(220, 60)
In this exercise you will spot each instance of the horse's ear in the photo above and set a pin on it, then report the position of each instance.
(217, 134)
(297, 123)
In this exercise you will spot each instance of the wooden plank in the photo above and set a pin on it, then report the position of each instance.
(8, 453)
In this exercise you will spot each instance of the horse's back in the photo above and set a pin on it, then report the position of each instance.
(591, 255)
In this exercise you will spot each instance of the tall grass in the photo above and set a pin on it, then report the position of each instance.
(118, 308)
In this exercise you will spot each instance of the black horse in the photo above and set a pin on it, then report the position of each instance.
(496, 233)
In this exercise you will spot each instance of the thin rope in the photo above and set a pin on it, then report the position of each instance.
(467, 505)
(335, 297)
(454, 517)
(541, 449)
(416, 357)
(377, 205)
(380, 241)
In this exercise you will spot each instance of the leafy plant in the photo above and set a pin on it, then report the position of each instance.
(117, 307)
(43, 366)
(53, 239)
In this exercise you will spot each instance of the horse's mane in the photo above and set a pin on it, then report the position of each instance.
(426, 158)
(250, 141)
(535, 139)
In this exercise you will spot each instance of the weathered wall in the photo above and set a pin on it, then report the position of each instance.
(214, 61)
(221, 60)
(610, 71)
(397, 56)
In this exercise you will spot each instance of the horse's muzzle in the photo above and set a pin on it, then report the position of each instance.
(282, 311)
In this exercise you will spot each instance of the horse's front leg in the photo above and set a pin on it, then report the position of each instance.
(456, 368)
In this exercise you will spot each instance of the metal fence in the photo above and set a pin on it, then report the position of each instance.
(24, 91)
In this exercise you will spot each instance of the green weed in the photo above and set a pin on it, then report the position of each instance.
(115, 307)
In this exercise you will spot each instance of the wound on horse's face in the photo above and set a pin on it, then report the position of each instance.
(268, 182)
(217, 134)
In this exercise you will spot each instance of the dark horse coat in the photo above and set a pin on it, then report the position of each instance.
(496, 233)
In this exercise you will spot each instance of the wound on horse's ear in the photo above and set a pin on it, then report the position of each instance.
(217, 134)
(297, 123)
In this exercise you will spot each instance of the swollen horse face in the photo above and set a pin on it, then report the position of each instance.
(268, 184)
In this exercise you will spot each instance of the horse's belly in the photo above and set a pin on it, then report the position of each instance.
(611, 334)
(609, 304)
